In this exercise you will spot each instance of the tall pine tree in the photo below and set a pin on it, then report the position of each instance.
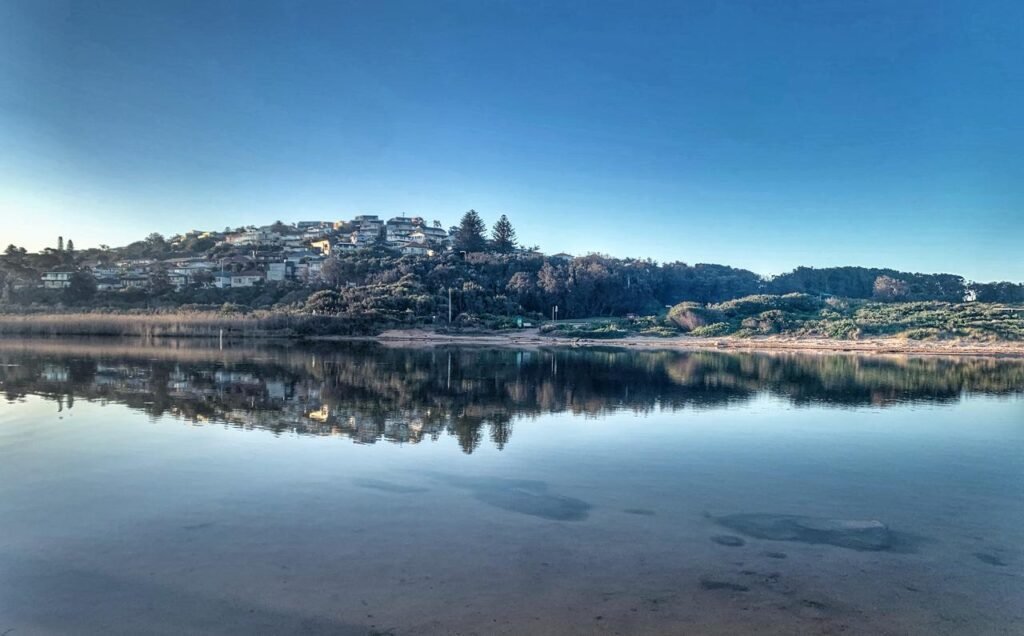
(469, 237)
(503, 236)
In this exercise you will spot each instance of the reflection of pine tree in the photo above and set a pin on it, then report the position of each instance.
(501, 431)
(467, 431)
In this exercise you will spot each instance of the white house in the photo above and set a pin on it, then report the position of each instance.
(57, 280)
(417, 249)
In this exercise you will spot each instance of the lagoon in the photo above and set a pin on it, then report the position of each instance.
(353, 488)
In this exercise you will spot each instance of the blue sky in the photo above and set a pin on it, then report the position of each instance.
(764, 135)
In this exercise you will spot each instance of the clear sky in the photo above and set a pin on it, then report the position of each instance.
(764, 135)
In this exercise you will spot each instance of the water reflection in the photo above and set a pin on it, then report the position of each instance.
(368, 392)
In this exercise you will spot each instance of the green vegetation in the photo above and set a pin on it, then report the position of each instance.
(805, 315)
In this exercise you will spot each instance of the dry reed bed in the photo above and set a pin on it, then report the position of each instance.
(179, 325)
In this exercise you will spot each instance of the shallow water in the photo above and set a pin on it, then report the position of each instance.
(355, 489)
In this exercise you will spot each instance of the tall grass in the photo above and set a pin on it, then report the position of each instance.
(176, 324)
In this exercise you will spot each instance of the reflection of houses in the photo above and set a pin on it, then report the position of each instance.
(54, 373)
(321, 415)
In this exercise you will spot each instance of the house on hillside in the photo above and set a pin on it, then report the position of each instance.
(399, 228)
(222, 280)
(280, 271)
(367, 228)
(323, 245)
(134, 280)
(108, 283)
(178, 278)
(247, 278)
(255, 237)
(562, 256)
(57, 279)
(314, 267)
(417, 249)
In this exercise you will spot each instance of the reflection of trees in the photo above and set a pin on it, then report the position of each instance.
(369, 393)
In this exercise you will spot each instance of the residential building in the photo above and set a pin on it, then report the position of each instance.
(399, 228)
(313, 268)
(222, 280)
(247, 278)
(134, 280)
(417, 249)
(57, 280)
(255, 237)
(108, 283)
(280, 271)
(177, 278)
(324, 245)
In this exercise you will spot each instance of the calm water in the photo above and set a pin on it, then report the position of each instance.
(356, 489)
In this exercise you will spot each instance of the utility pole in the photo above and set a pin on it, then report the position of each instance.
(554, 313)
(449, 305)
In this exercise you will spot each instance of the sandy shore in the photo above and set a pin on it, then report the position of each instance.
(530, 338)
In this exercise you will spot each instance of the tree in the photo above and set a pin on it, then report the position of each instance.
(156, 245)
(503, 236)
(333, 272)
(159, 281)
(203, 278)
(81, 287)
(552, 281)
(890, 289)
(469, 236)
(71, 246)
(326, 302)
(60, 243)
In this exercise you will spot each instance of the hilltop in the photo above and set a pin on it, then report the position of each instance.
(368, 274)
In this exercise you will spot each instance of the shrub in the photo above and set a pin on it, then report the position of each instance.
(712, 330)
(689, 316)
(754, 305)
